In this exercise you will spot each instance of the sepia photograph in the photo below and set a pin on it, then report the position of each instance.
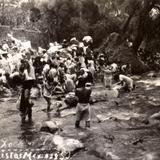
(79, 80)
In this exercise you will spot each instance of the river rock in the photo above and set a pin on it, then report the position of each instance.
(151, 156)
(68, 112)
(152, 74)
(49, 126)
(155, 116)
(104, 95)
(67, 145)
(154, 119)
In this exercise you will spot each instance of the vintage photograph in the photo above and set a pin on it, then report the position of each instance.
(79, 79)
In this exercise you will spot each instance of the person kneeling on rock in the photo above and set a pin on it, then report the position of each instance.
(83, 106)
(126, 82)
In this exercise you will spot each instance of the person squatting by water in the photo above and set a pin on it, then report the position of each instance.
(48, 89)
(126, 82)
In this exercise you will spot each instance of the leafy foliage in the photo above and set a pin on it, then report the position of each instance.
(137, 20)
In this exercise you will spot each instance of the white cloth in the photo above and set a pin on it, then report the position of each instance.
(127, 80)
(87, 39)
(91, 67)
(46, 68)
(5, 47)
(82, 62)
(32, 71)
(114, 67)
(52, 73)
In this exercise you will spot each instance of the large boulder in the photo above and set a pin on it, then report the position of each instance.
(118, 51)
(125, 55)
(67, 145)
(61, 147)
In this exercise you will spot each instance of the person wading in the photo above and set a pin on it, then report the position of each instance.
(28, 76)
(83, 106)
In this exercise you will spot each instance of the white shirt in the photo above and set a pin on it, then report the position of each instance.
(114, 67)
(128, 81)
(46, 68)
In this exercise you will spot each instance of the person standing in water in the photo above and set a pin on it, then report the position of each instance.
(83, 107)
(25, 102)
(28, 79)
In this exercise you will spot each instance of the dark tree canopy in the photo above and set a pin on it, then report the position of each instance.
(135, 20)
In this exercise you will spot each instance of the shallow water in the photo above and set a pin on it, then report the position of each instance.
(123, 135)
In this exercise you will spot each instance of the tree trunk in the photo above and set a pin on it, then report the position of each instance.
(123, 30)
(148, 5)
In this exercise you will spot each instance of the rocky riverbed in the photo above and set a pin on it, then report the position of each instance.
(126, 131)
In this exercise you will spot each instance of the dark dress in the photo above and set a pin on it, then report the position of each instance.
(25, 103)
(83, 107)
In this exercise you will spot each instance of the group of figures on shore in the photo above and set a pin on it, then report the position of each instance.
(69, 68)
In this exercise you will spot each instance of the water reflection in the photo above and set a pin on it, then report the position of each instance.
(48, 116)
(28, 134)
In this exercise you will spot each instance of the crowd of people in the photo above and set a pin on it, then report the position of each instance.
(70, 68)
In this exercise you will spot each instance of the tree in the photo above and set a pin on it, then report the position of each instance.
(144, 29)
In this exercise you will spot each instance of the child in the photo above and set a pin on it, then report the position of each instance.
(47, 91)
(107, 79)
